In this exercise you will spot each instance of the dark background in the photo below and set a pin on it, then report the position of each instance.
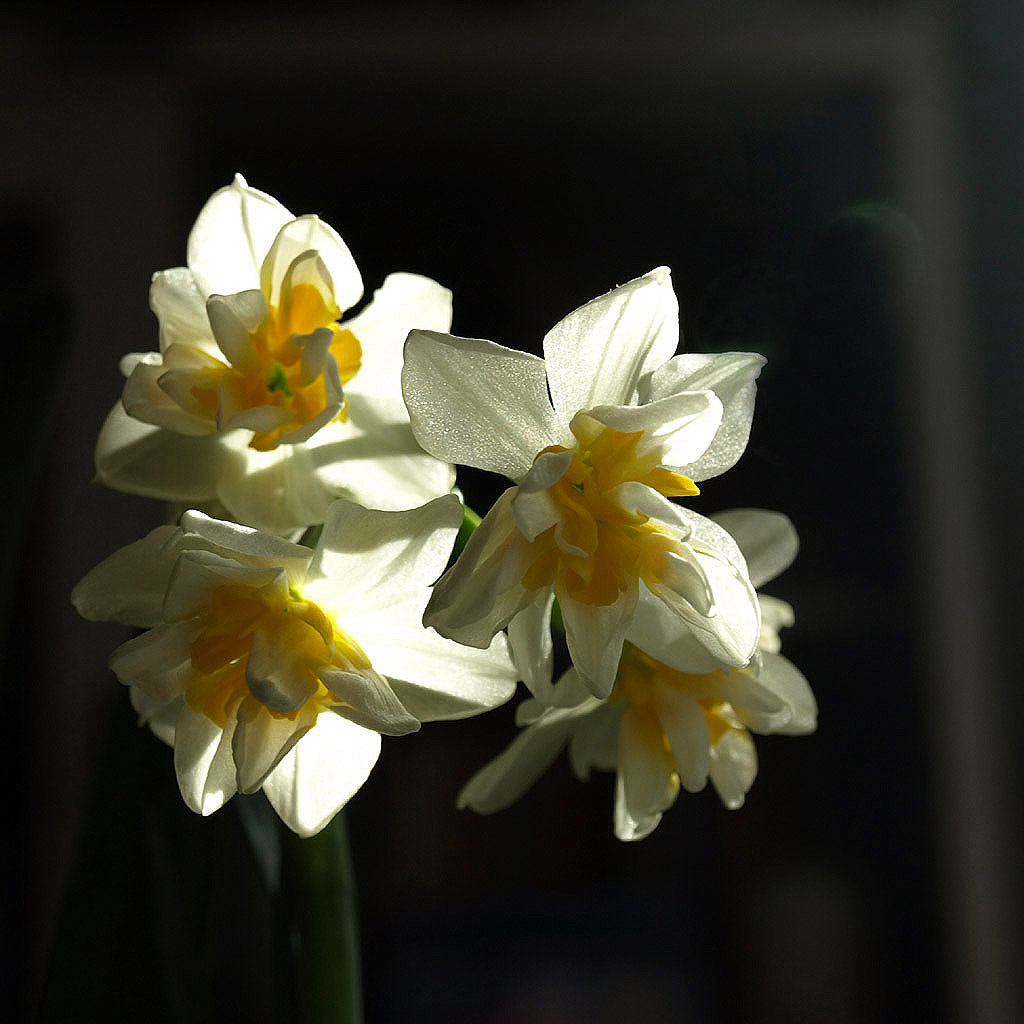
(836, 186)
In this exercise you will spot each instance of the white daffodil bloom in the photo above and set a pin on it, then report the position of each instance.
(259, 402)
(663, 728)
(268, 664)
(598, 437)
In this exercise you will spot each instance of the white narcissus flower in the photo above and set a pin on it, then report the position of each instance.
(268, 664)
(663, 728)
(598, 436)
(259, 402)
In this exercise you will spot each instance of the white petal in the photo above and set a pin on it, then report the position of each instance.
(657, 630)
(646, 784)
(129, 585)
(250, 547)
(775, 615)
(482, 591)
(733, 767)
(595, 741)
(403, 302)
(304, 234)
(768, 540)
(203, 761)
(731, 376)
(534, 508)
(142, 459)
(157, 661)
(321, 773)
(233, 318)
(180, 308)
(681, 426)
(598, 353)
(368, 559)
(278, 491)
(162, 719)
(369, 701)
(374, 459)
(783, 679)
(478, 404)
(505, 779)
(438, 679)
(529, 635)
(261, 740)
(197, 574)
(144, 398)
(231, 236)
(594, 634)
(683, 722)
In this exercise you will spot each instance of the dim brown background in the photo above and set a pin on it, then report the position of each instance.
(834, 185)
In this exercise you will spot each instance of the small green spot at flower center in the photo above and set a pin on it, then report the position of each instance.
(278, 381)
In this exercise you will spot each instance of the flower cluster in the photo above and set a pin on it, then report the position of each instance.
(272, 664)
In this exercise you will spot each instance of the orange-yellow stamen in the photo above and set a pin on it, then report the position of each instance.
(277, 378)
(308, 638)
(600, 548)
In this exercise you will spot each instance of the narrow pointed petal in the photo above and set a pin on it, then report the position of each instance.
(245, 545)
(595, 741)
(234, 318)
(733, 767)
(321, 773)
(598, 354)
(683, 722)
(366, 698)
(595, 634)
(478, 404)
(203, 761)
(505, 779)
(529, 635)
(783, 679)
(646, 784)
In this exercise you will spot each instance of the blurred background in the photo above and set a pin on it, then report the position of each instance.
(834, 185)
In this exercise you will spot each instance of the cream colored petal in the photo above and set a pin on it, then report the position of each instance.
(402, 303)
(369, 559)
(683, 722)
(595, 740)
(595, 634)
(156, 661)
(731, 376)
(529, 635)
(142, 459)
(310, 234)
(231, 236)
(646, 784)
(129, 585)
(767, 540)
(321, 773)
(203, 761)
(733, 767)
(261, 740)
(478, 404)
(598, 354)
(505, 779)
(376, 461)
(180, 308)
(786, 682)
(366, 698)
(233, 319)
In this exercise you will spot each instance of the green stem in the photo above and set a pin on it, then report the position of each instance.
(470, 521)
(318, 929)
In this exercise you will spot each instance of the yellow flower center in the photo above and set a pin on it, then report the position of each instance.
(308, 640)
(600, 549)
(279, 376)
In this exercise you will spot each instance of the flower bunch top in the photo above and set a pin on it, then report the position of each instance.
(275, 665)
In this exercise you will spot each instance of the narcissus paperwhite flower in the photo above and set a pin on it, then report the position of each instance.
(663, 728)
(267, 664)
(260, 402)
(598, 436)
